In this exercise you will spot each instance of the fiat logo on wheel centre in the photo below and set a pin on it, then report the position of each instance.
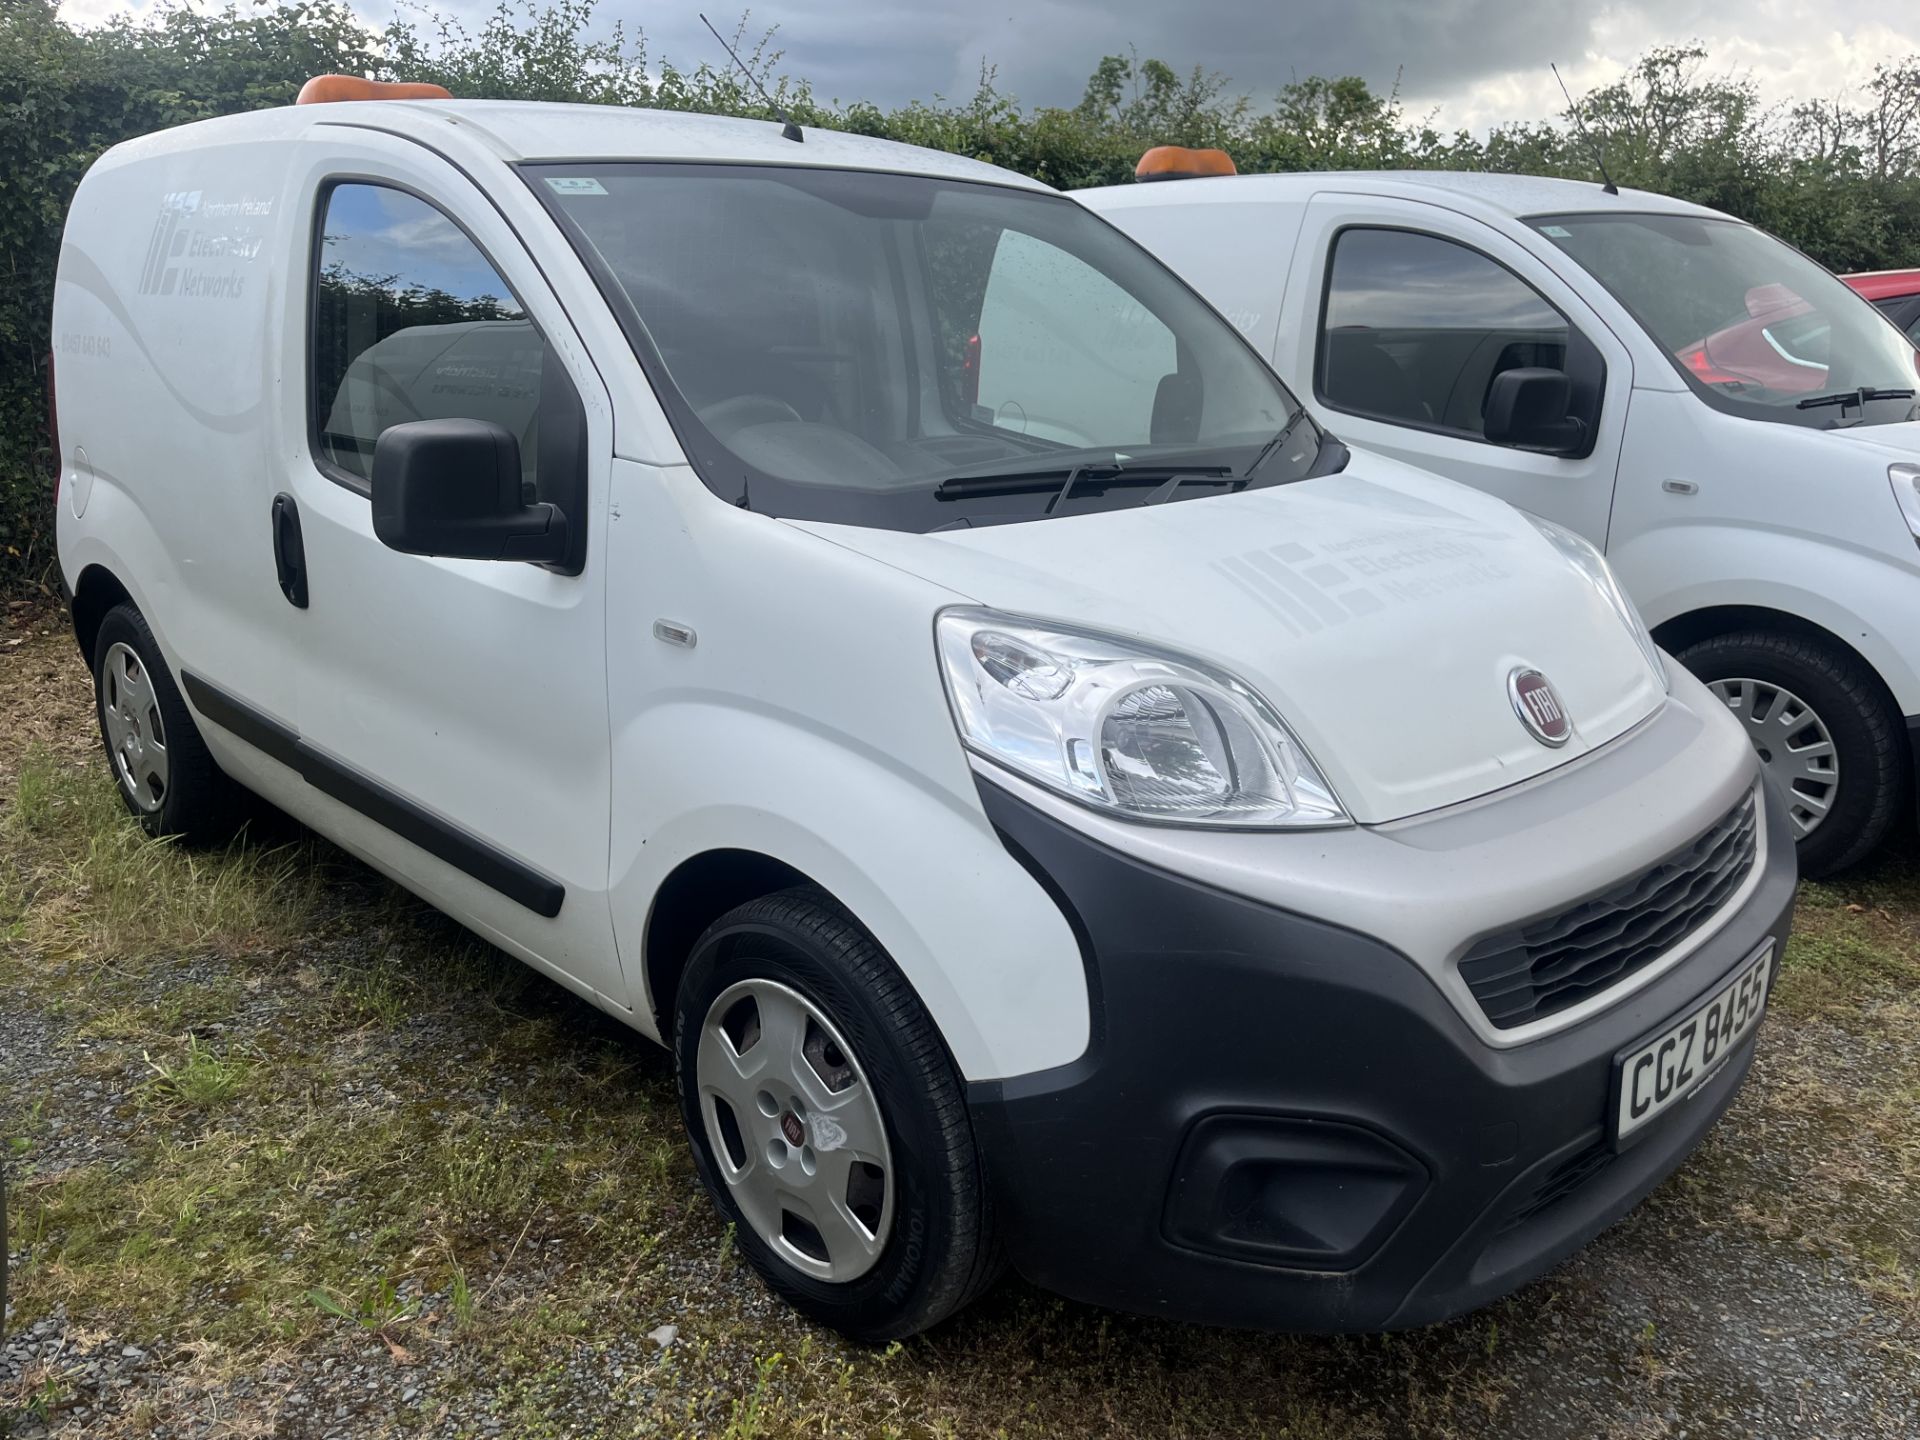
(1538, 705)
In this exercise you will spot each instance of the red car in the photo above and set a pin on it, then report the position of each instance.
(1781, 344)
(1896, 292)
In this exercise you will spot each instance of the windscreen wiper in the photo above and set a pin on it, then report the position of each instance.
(1062, 479)
(1279, 439)
(1851, 398)
(1188, 477)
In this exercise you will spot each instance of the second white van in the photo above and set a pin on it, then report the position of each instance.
(1732, 424)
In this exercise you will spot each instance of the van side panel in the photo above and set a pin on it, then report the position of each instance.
(1235, 255)
(808, 722)
(1777, 516)
(167, 381)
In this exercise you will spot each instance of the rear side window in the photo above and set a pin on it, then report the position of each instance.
(1416, 328)
(1062, 350)
(411, 322)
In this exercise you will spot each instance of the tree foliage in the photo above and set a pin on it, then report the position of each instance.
(1838, 177)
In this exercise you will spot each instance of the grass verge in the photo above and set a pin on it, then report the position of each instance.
(334, 1166)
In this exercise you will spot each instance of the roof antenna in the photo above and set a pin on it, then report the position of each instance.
(1599, 155)
(788, 129)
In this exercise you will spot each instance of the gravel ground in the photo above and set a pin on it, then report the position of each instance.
(1767, 1290)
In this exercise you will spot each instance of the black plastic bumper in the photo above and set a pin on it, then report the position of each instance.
(1285, 1125)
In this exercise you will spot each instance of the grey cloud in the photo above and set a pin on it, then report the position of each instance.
(896, 50)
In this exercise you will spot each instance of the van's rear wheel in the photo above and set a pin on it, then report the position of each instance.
(1824, 727)
(827, 1120)
(160, 765)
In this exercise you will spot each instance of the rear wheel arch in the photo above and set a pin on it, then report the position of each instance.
(95, 593)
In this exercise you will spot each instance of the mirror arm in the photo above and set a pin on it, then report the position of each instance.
(538, 533)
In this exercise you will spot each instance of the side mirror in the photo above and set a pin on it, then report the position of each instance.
(452, 488)
(1527, 408)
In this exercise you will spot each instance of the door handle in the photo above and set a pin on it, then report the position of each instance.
(289, 551)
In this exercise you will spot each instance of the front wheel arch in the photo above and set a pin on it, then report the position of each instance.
(698, 892)
(1756, 642)
(1682, 631)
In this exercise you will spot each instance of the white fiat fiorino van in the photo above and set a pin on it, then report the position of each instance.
(1734, 426)
(851, 613)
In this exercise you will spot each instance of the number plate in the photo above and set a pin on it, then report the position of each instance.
(1669, 1069)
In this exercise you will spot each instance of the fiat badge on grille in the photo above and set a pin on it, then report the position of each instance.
(1538, 705)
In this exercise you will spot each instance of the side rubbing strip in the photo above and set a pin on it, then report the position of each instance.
(412, 822)
(260, 731)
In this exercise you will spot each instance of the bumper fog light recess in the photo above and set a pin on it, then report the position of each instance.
(1307, 1194)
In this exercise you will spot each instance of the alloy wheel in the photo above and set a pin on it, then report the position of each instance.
(795, 1129)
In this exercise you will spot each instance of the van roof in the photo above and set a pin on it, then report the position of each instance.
(516, 130)
(1504, 195)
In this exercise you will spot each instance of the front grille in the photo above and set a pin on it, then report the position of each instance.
(1563, 1180)
(1555, 962)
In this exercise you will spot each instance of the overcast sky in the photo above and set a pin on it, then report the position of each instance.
(1477, 62)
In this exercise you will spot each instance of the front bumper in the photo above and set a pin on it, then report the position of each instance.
(1285, 1124)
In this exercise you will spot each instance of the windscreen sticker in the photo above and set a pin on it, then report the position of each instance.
(1557, 232)
(575, 185)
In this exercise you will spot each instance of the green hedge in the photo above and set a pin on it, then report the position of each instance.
(1842, 183)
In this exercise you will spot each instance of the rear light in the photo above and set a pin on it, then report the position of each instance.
(53, 429)
(970, 372)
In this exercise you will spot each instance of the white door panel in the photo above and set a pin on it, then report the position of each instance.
(460, 703)
(1577, 492)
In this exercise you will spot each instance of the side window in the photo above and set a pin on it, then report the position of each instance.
(1062, 352)
(412, 322)
(1416, 328)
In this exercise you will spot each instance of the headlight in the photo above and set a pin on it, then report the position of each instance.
(1584, 557)
(1906, 489)
(1125, 727)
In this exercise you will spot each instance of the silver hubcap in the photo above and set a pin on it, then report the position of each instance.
(135, 737)
(795, 1129)
(1792, 741)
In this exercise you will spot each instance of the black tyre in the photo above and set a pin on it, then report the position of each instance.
(828, 1122)
(160, 764)
(1826, 729)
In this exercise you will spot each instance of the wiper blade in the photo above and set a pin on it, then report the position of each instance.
(1851, 398)
(1189, 477)
(1064, 478)
(1005, 482)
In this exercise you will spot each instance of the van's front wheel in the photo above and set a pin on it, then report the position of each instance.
(160, 764)
(827, 1120)
(1824, 727)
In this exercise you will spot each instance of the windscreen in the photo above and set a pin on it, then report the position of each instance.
(906, 352)
(1752, 323)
